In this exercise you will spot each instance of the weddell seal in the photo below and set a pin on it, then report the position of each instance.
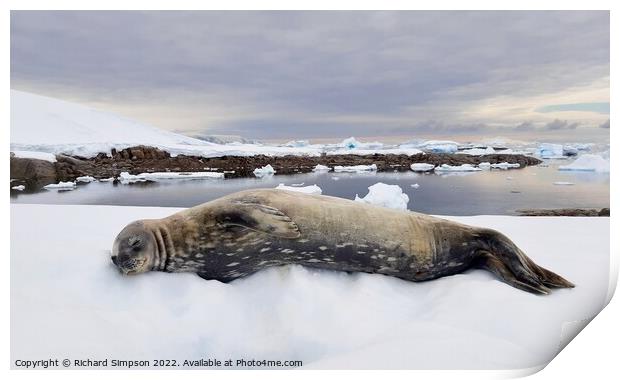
(242, 233)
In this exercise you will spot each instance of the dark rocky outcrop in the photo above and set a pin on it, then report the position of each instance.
(565, 212)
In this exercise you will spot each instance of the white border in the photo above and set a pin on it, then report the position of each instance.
(592, 354)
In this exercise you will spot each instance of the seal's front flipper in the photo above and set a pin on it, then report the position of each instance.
(494, 265)
(261, 218)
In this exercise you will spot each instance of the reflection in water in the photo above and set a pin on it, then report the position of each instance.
(487, 192)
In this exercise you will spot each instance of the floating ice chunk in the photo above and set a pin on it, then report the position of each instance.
(547, 150)
(355, 168)
(61, 186)
(85, 179)
(422, 167)
(440, 146)
(264, 171)
(336, 178)
(504, 165)
(352, 143)
(415, 185)
(313, 189)
(106, 179)
(321, 168)
(459, 168)
(588, 162)
(19, 187)
(381, 194)
(36, 155)
(485, 165)
(126, 178)
(562, 183)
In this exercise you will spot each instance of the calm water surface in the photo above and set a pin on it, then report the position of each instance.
(487, 192)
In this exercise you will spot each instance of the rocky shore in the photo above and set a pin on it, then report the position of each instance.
(565, 212)
(143, 159)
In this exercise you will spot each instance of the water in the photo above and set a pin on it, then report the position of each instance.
(489, 192)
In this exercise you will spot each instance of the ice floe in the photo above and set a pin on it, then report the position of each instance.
(457, 168)
(588, 162)
(312, 189)
(381, 194)
(264, 171)
(126, 178)
(60, 186)
(422, 167)
(355, 168)
(19, 187)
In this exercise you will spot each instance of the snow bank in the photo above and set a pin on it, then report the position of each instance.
(264, 171)
(19, 187)
(383, 195)
(67, 300)
(60, 186)
(421, 167)
(355, 168)
(588, 162)
(321, 168)
(36, 155)
(457, 168)
(504, 166)
(126, 178)
(313, 189)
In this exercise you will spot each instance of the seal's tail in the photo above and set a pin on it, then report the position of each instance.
(503, 258)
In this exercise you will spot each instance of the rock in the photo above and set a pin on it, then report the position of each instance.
(35, 173)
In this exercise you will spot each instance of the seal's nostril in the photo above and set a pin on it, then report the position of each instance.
(114, 260)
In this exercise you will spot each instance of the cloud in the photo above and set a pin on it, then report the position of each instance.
(605, 124)
(558, 124)
(602, 107)
(262, 71)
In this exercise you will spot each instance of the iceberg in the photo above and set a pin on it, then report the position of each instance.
(588, 162)
(547, 150)
(264, 171)
(321, 168)
(19, 187)
(439, 146)
(381, 194)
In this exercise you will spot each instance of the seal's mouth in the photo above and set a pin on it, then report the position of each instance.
(129, 266)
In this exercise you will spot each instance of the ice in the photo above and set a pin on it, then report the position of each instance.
(297, 143)
(381, 194)
(68, 301)
(85, 179)
(422, 167)
(126, 178)
(19, 187)
(355, 168)
(313, 189)
(107, 179)
(478, 151)
(588, 162)
(457, 168)
(60, 186)
(415, 185)
(485, 165)
(321, 168)
(264, 171)
(352, 143)
(439, 146)
(547, 150)
(562, 183)
(36, 155)
(504, 166)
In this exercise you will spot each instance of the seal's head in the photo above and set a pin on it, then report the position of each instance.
(135, 249)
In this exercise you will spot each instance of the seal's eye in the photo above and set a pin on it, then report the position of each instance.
(135, 243)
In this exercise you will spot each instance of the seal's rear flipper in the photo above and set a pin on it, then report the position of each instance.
(549, 278)
(260, 217)
(494, 265)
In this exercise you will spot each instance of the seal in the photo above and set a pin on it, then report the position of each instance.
(242, 233)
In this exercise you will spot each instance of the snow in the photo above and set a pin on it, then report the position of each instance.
(313, 189)
(547, 150)
(588, 162)
(321, 168)
(85, 179)
(36, 155)
(478, 151)
(355, 168)
(264, 171)
(504, 166)
(19, 187)
(60, 186)
(126, 178)
(439, 146)
(297, 143)
(381, 194)
(457, 168)
(422, 167)
(562, 183)
(67, 300)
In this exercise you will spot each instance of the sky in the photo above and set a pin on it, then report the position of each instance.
(311, 75)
